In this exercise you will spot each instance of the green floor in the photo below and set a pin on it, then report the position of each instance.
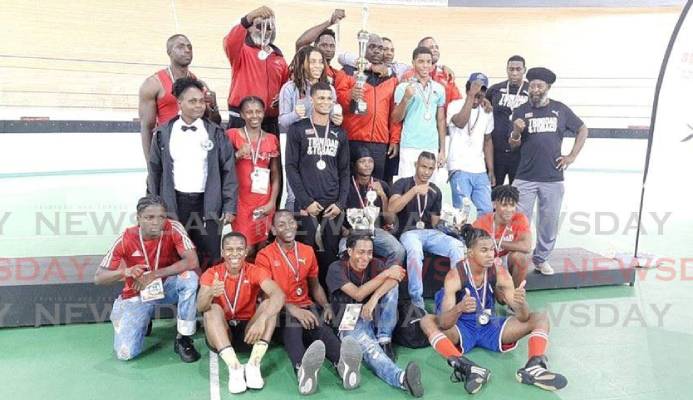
(609, 341)
(627, 359)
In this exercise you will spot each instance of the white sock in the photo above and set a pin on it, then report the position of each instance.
(229, 356)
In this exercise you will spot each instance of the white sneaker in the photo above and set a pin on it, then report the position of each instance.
(310, 365)
(253, 377)
(544, 268)
(237, 380)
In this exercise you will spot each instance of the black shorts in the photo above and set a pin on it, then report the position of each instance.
(237, 333)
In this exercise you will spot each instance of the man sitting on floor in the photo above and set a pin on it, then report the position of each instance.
(465, 319)
(233, 320)
(364, 284)
(293, 265)
(156, 259)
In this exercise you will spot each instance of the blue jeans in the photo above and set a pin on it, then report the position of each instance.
(475, 186)
(373, 354)
(415, 242)
(384, 245)
(130, 317)
(386, 315)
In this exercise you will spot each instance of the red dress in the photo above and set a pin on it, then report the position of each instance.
(254, 230)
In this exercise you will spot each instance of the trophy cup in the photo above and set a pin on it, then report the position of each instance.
(452, 219)
(362, 37)
(363, 219)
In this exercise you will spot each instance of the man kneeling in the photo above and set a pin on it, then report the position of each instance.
(465, 319)
(156, 259)
(362, 284)
(227, 300)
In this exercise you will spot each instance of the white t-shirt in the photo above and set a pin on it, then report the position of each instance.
(466, 148)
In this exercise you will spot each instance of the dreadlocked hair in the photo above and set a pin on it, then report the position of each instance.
(471, 234)
(297, 68)
(505, 193)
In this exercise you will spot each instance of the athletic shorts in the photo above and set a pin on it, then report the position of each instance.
(237, 333)
(474, 334)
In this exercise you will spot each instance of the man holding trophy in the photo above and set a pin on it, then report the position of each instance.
(367, 198)
(367, 99)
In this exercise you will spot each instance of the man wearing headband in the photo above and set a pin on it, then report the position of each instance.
(538, 130)
(156, 260)
(505, 97)
(258, 67)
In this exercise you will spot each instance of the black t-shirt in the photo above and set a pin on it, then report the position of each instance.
(339, 274)
(504, 99)
(542, 139)
(409, 216)
(353, 200)
(303, 150)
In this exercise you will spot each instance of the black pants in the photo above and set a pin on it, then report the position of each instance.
(204, 233)
(330, 234)
(295, 337)
(505, 164)
(391, 169)
(379, 153)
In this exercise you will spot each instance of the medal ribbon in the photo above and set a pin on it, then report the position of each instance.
(144, 251)
(294, 270)
(232, 307)
(468, 271)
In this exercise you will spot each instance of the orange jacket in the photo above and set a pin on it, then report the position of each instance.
(375, 126)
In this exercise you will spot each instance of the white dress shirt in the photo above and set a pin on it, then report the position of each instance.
(189, 156)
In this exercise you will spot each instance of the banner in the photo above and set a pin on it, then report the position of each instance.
(668, 176)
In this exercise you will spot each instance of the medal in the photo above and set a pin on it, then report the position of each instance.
(485, 317)
(232, 306)
(497, 244)
(421, 224)
(498, 262)
(321, 164)
(295, 270)
(262, 55)
(207, 145)
(371, 196)
(233, 323)
(427, 116)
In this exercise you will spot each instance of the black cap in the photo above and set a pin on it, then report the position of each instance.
(360, 153)
(541, 73)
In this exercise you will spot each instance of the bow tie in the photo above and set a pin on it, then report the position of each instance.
(185, 128)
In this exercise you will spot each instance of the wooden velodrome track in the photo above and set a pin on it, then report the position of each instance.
(93, 55)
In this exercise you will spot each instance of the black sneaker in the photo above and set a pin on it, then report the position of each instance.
(389, 351)
(412, 380)
(535, 373)
(473, 376)
(184, 347)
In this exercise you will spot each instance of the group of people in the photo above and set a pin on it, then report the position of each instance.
(302, 275)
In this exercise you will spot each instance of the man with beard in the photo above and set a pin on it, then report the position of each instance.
(324, 39)
(157, 105)
(374, 128)
(258, 67)
(538, 130)
(505, 97)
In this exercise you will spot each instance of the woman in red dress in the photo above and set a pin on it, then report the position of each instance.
(258, 171)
